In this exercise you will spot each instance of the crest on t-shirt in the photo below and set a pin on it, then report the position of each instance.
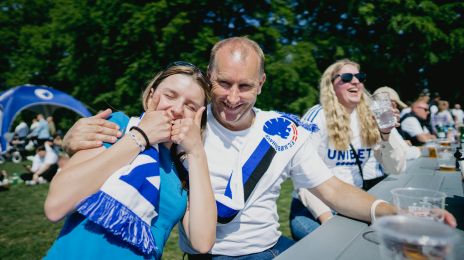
(281, 133)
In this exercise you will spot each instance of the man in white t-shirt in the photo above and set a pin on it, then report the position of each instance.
(236, 70)
(44, 166)
(458, 115)
(413, 124)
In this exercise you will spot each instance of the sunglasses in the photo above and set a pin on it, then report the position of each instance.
(348, 77)
(425, 109)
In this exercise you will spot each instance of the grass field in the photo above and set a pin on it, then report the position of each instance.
(25, 233)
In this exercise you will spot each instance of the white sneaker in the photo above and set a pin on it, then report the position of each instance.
(41, 180)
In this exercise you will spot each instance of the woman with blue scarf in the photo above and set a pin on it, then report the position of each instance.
(121, 201)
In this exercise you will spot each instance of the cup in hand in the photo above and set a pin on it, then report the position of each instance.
(382, 109)
(419, 202)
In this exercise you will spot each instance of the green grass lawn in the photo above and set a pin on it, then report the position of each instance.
(25, 233)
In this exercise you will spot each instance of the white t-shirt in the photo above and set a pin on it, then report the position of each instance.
(255, 228)
(49, 158)
(412, 126)
(459, 115)
(342, 163)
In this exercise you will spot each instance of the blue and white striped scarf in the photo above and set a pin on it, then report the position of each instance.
(128, 201)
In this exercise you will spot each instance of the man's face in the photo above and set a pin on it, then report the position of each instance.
(41, 153)
(236, 84)
(421, 109)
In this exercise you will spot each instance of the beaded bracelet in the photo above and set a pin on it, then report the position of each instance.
(147, 142)
(137, 142)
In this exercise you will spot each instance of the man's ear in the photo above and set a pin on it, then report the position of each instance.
(261, 83)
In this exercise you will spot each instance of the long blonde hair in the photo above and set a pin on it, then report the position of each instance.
(338, 119)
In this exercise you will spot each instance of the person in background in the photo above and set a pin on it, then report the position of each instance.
(414, 124)
(22, 130)
(146, 165)
(433, 108)
(347, 136)
(443, 123)
(51, 125)
(458, 115)
(57, 144)
(41, 131)
(44, 166)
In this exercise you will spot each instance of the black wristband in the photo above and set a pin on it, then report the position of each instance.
(147, 142)
(384, 133)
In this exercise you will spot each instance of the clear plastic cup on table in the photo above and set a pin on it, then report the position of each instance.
(408, 237)
(431, 149)
(445, 158)
(382, 109)
(419, 202)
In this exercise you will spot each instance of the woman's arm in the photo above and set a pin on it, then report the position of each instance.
(391, 154)
(85, 174)
(89, 169)
(201, 215)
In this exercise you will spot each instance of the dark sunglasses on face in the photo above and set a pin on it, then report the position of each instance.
(348, 77)
(425, 109)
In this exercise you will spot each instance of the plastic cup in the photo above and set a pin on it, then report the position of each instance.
(419, 202)
(382, 109)
(445, 158)
(406, 237)
(432, 149)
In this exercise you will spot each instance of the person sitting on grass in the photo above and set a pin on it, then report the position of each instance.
(44, 166)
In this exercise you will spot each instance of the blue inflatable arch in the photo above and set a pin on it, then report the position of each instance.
(14, 100)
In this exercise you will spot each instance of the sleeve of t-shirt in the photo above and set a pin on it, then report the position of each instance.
(307, 169)
(411, 126)
(35, 163)
(121, 120)
(315, 120)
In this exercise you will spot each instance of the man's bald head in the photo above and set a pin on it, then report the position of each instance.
(239, 48)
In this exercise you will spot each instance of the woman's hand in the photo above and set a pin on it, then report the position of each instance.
(385, 132)
(187, 132)
(156, 124)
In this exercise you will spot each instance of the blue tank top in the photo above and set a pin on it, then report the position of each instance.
(82, 239)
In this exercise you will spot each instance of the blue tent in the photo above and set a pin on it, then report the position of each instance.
(22, 97)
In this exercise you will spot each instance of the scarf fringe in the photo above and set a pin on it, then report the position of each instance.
(119, 220)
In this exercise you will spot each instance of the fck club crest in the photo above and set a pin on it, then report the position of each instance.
(281, 133)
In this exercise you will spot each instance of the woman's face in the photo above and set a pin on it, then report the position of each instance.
(348, 93)
(180, 95)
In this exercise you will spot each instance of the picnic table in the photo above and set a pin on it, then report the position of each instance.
(345, 238)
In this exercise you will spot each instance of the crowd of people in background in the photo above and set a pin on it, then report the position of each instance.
(428, 119)
(41, 143)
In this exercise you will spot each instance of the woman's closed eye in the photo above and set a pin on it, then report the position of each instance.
(169, 95)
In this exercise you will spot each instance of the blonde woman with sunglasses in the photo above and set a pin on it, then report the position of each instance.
(346, 135)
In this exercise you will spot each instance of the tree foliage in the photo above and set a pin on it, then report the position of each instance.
(104, 52)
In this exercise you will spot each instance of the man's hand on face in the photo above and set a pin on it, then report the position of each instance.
(91, 132)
